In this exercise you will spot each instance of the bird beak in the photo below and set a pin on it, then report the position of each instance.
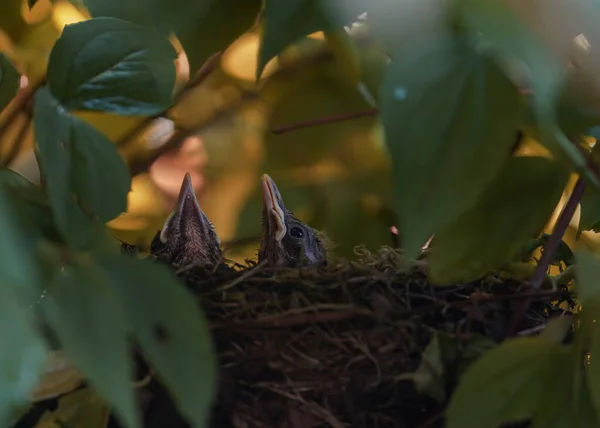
(187, 215)
(273, 207)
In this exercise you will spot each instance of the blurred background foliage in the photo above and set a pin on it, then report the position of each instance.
(335, 176)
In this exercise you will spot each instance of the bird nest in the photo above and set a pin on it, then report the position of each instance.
(343, 345)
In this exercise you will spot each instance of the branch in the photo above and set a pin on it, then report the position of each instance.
(21, 101)
(548, 253)
(324, 120)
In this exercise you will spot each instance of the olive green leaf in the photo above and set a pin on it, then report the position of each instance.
(79, 164)
(112, 65)
(10, 81)
(496, 25)
(430, 376)
(24, 353)
(510, 383)
(80, 408)
(202, 26)
(517, 203)
(86, 316)
(450, 116)
(170, 328)
(286, 22)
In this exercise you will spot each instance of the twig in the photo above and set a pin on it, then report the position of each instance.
(23, 98)
(201, 76)
(324, 120)
(548, 253)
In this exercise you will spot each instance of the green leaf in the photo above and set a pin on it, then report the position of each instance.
(10, 81)
(24, 353)
(429, 378)
(216, 29)
(450, 116)
(493, 22)
(286, 22)
(508, 384)
(517, 203)
(86, 315)
(171, 331)
(203, 27)
(78, 162)
(114, 66)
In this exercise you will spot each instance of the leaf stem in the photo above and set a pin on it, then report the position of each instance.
(548, 252)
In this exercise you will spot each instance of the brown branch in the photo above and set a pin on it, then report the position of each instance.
(548, 253)
(205, 71)
(324, 120)
(23, 98)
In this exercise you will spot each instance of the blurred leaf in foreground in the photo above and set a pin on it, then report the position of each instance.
(450, 116)
(170, 328)
(517, 203)
(87, 317)
(511, 383)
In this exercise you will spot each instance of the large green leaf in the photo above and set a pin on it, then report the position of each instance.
(510, 383)
(10, 81)
(112, 65)
(511, 211)
(87, 317)
(171, 331)
(78, 162)
(497, 25)
(450, 117)
(286, 22)
(23, 352)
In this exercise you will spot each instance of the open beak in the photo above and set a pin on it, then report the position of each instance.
(187, 215)
(273, 207)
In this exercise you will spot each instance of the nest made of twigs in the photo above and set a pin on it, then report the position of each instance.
(327, 346)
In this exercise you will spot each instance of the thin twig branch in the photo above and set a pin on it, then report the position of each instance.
(324, 120)
(23, 98)
(548, 253)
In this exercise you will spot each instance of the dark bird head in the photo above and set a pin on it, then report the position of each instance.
(187, 237)
(286, 241)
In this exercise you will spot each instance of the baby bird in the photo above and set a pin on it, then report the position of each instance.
(286, 241)
(188, 236)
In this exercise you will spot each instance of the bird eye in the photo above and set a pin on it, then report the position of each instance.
(296, 232)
